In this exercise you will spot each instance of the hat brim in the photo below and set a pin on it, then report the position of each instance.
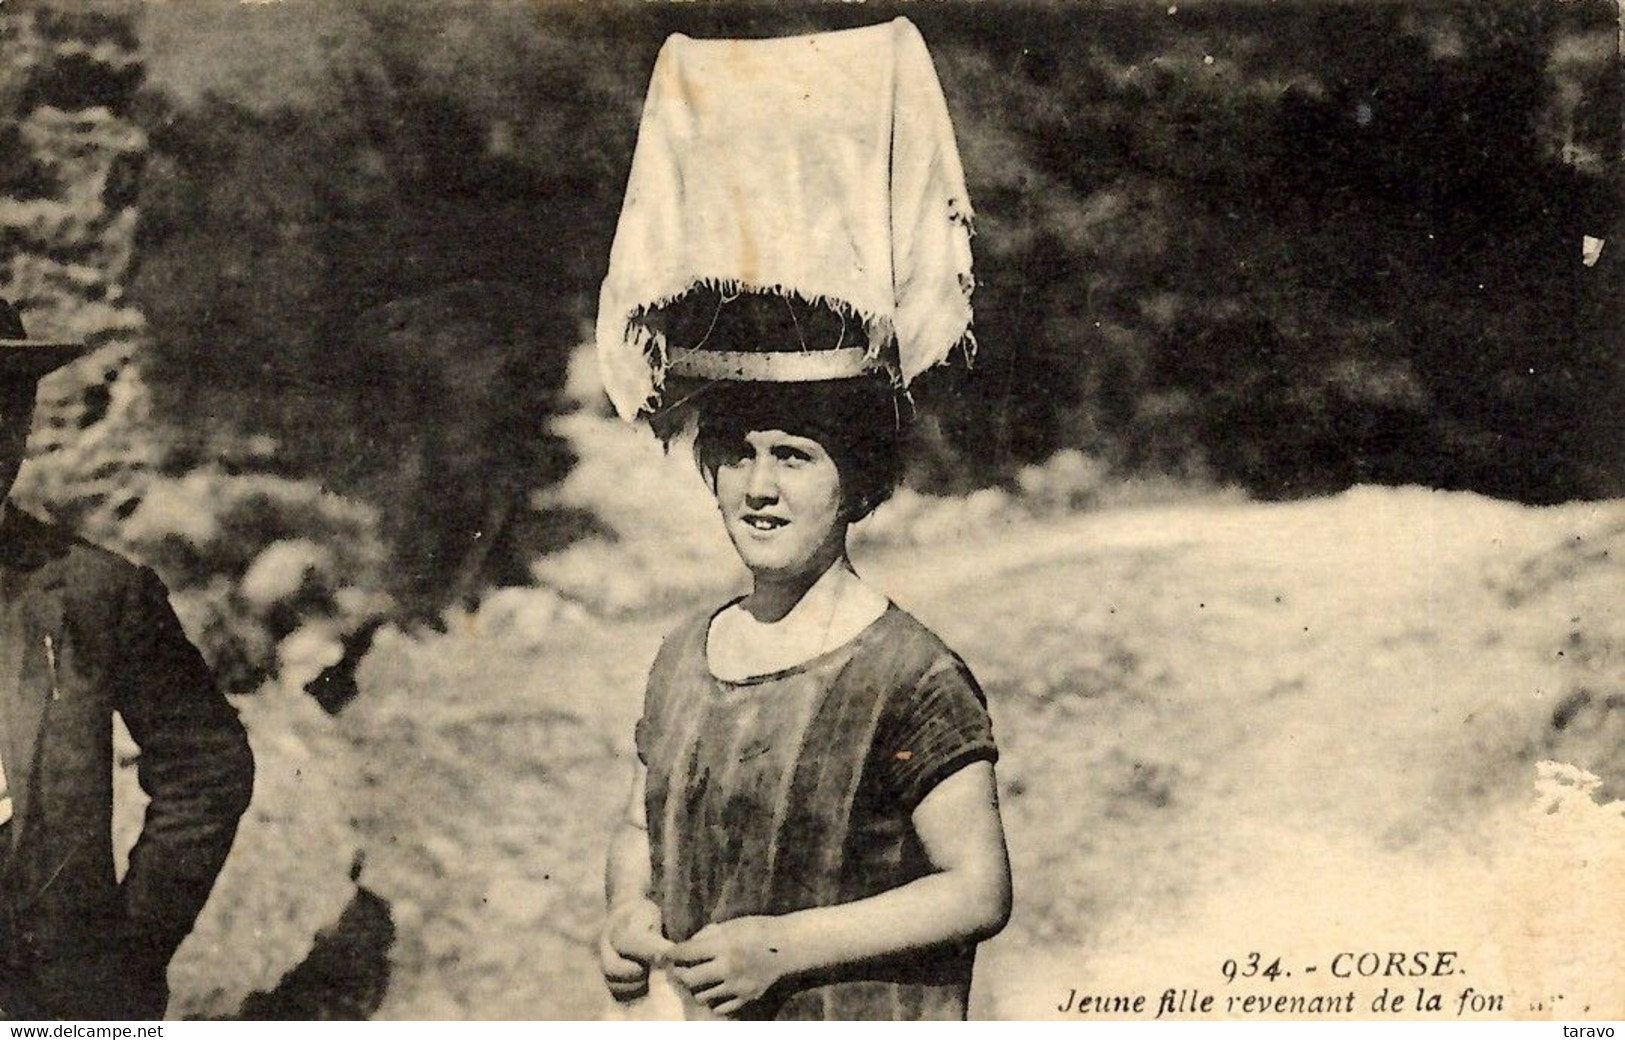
(775, 366)
(32, 358)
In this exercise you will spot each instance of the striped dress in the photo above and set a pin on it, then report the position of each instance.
(795, 790)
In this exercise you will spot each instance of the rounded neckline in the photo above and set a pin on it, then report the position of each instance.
(783, 673)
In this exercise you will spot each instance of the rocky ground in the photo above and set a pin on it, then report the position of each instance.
(1222, 724)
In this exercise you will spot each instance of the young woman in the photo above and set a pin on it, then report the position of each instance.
(813, 829)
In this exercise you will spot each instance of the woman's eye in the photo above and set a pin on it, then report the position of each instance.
(793, 456)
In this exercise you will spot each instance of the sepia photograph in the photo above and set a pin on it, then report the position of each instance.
(625, 510)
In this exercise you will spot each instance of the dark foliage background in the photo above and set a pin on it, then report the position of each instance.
(332, 259)
(1293, 246)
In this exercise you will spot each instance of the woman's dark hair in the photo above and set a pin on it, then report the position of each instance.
(857, 421)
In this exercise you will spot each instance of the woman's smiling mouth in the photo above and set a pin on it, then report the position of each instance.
(763, 522)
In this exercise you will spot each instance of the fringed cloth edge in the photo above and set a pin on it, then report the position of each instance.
(636, 389)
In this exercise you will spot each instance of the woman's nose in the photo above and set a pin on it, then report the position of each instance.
(762, 484)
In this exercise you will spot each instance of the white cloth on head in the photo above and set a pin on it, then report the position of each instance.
(820, 166)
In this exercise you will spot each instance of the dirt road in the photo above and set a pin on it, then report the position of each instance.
(1214, 719)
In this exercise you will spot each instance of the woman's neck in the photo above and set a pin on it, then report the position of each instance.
(772, 598)
(831, 612)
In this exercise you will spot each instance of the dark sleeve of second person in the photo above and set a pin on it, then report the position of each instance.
(195, 766)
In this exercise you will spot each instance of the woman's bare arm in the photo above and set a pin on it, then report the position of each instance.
(966, 899)
(632, 938)
(627, 870)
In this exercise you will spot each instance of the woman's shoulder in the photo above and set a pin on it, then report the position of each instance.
(675, 679)
(910, 647)
(686, 641)
(902, 622)
(693, 626)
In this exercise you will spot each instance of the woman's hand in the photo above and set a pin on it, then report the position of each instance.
(728, 965)
(630, 943)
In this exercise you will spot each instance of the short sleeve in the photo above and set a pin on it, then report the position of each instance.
(661, 697)
(935, 730)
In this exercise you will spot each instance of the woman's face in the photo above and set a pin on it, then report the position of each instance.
(780, 499)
